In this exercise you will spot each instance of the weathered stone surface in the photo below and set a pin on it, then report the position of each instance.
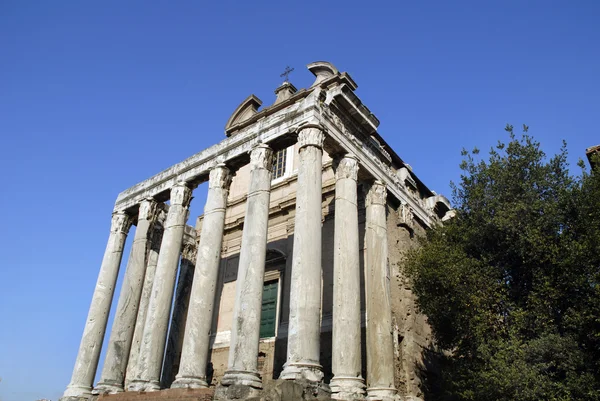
(181, 303)
(95, 327)
(243, 355)
(380, 347)
(119, 344)
(164, 395)
(347, 382)
(147, 377)
(152, 260)
(305, 297)
(194, 356)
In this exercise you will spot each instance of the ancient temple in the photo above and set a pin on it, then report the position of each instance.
(291, 276)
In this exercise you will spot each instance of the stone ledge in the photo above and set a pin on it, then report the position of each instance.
(179, 394)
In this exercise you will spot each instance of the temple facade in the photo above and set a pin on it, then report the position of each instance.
(293, 272)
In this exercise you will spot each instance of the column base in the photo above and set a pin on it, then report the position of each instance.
(106, 387)
(189, 382)
(347, 387)
(76, 393)
(144, 385)
(310, 371)
(382, 394)
(242, 377)
(236, 392)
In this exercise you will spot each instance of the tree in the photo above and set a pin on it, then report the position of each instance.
(511, 285)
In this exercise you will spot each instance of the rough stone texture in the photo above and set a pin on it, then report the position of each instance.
(150, 360)
(380, 347)
(179, 316)
(243, 356)
(95, 327)
(152, 260)
(347, 382)
(164, 395)
(305, 297)
(119, 344)
(194, 357)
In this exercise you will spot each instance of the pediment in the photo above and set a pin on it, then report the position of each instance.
(244, 111)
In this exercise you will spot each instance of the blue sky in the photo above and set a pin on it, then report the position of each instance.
(97, 96)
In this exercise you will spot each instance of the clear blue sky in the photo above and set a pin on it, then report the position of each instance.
(97, 96)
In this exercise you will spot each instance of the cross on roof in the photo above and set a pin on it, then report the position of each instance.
(286, 73)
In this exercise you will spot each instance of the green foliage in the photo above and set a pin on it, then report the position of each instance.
(511, 284)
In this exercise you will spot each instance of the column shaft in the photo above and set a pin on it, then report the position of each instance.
(305, 298)
(347, 382)
(121, 335)
(95, 327)
(157, 320)
(196, 341)
(179, 315)
(380, 346)
(152, 260)
(245, 333)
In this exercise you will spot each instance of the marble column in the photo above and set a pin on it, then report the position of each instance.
(147, 377)
(304, 332)
(95, 326)
(380, 346)
(179, 316)
(347, 382)
(152, 260)
(245, 329)
(196, 341)
(121, 335)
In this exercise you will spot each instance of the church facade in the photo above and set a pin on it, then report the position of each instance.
(293, 272)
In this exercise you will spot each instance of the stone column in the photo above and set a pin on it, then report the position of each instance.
(121, 335)
(347, 382)
(152, 260)
(95, 326)
(196, 341)
(245, 329)
(304, 332)
(380, 346)
(147, 377)
(179, 315)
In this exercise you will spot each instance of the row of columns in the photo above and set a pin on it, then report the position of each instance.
(138, 367)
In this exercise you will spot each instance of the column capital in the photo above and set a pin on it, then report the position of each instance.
(377, 194)
(121, 222)
(219, 177)
(311, 136)
(346, 167)
(261, 157)
(148, 209)
(181, 194)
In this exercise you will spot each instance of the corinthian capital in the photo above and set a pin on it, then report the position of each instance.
(219, 177)
(377, 194)
(311, 136)
(148, 209)
(121, 222)
(181, 194)
(261, 157)
(347, 167)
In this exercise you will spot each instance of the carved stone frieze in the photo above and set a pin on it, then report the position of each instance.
(261, 157)
(121, 222)
(181, 194)
(311, 136)
(346, 167)
(377, 194)
(219, 177)
(406, 217)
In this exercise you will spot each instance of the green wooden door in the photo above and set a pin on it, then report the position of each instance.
(269, 309)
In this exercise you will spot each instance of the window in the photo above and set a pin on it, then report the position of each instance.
(279, 161)
(268, 315)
